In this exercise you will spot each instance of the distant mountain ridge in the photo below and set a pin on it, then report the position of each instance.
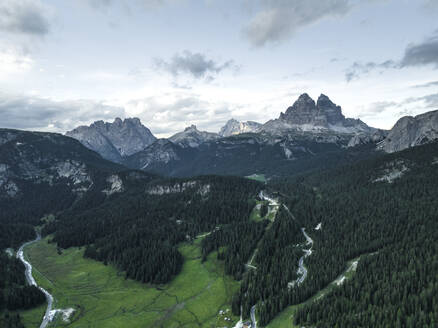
(114, 140)
(192, 137)
(306, 129)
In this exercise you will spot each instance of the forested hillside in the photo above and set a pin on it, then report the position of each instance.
(248, 154)
(138, 231)
(40, 174)
(384, 210)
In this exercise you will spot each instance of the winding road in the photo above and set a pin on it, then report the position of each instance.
(48, 316)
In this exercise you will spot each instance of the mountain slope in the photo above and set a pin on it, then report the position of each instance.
(192, 137)
(411, 131)
(42, 173)
(257, 153)
(381, 210)
(247, 154)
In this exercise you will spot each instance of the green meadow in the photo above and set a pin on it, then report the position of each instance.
(257, 177)
(102, 297)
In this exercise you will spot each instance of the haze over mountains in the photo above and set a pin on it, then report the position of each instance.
(299, 132)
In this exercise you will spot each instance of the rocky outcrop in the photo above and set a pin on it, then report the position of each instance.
(392, 170)
(233, 127)
(364, 138)
(192, 137)
(195, 186)
(321, 117)
(115, 185)
(115, 140)
(411, 131)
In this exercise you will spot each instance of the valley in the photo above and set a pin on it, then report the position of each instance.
(218, 164)
(102, 297)
(129, 248)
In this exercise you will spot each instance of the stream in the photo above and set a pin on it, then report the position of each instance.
(302, 271)
(48, 316)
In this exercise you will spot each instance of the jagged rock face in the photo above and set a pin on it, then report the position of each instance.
(321, 117)
(411, 131)
(233, 127)
(302, 112)
(330, 113)
(192, 137)
(114, 140)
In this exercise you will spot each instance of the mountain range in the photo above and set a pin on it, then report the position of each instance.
(360, 201)
(306, 130)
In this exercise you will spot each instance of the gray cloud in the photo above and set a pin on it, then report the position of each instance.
(431, 4)
(426, 85)
(415, 55)
(280, 19)
(194, 64)
(98, 4)
(358, 69)
(181, 111)
(34, 113)
(24, 17)
(420, 54)
(431, 100)
(104, 4)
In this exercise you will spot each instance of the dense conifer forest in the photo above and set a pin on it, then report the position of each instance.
(382, 211)
(139, 231)
(235, 244)
(393, 225)
(15, 294)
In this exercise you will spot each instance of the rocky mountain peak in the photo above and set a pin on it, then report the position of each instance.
(302, 106)
(114, 140)
(324, 102)
(233, 127)
(323, 116)
(191, 128)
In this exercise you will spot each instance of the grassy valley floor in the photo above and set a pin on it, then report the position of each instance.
(102, 297)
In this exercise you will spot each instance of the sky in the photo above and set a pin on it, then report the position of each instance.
(174, 63)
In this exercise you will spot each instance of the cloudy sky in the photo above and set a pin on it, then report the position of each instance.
(178, 62)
